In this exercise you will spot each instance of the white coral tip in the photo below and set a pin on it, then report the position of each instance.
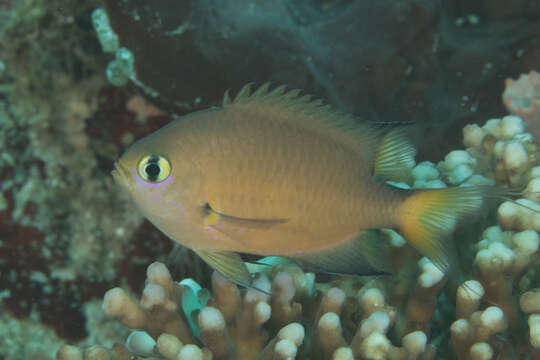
(211, 319)
(415, 343)
(431, 274)
(140, 343)
(481, 351)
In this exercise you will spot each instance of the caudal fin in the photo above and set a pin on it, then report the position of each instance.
(427, 217)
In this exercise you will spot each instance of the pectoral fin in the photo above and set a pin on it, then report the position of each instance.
(228, 264)
(367, 253)
(233, 226)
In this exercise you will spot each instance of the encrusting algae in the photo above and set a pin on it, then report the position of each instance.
(275, 173)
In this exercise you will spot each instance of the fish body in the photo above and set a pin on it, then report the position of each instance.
(274, 173)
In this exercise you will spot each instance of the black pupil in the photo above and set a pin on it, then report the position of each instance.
(152, 170)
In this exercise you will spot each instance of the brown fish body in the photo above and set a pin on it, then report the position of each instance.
(272, 173)
(253, 163)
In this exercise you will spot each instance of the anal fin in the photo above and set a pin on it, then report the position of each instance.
(366, 253)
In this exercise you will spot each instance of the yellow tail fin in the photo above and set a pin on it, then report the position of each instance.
(427, 217)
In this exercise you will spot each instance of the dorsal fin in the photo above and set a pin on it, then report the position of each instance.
(291, 99)
(321, 118)
(394, 158)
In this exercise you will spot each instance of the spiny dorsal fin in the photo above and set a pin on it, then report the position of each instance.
(320, 117)
(263, 92)
(291, 99)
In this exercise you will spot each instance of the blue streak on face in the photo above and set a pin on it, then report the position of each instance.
(154, 185)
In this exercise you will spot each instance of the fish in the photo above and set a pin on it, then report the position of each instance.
(273, 172)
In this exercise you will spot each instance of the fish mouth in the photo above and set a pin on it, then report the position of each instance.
(119, 174)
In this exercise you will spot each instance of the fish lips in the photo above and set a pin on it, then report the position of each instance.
(120, 175)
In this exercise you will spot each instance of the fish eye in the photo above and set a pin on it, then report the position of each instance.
(154, 168)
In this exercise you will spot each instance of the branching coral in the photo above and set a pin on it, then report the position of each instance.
(398, 317)
(521, 97)
(530, 304)
(228, 326)
(248, 324)
(506, 258)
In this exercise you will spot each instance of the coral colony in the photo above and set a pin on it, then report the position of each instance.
(384, 318)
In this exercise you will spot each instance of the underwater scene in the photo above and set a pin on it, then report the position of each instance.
(269, 179)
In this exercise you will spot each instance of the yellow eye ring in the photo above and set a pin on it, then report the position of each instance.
(154, 168)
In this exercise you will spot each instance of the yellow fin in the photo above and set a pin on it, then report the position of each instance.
(427, 217)
(394, 157)
(211, 218)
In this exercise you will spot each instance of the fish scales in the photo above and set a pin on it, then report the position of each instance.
(250, 172)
